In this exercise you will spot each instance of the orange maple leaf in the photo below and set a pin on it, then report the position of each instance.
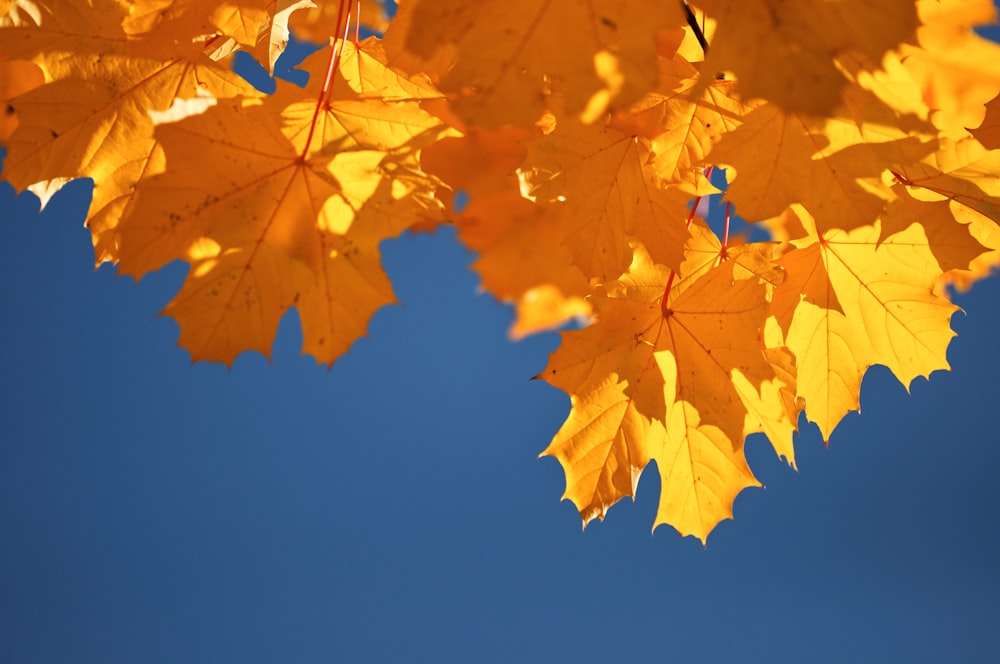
(283, 203)
(673, 377)
(787, 53)
(988, 132)
(834, 167)
(501, 60)
(523, 257)
(319, 23)
(605, 179)
(17, 77)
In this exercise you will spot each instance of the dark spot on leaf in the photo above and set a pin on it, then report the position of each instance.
(609, 23)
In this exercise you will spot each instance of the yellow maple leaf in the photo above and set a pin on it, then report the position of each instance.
(964, 173)
(956, 70)
(851, 300)
(947, 223)
(618, 396)
(95, 115)
(680, 126)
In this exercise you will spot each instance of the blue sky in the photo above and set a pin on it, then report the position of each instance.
(393, 509)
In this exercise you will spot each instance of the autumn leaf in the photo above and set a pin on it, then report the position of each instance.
(850, 301)
(93, 118)
(956, 70)
(319, 22)
(171, 23)
(772, 406)
(962, 174)
(273, 34)
(988, 133)
(275, 206)
(831, 166)
(505, 59)
(573, 146)
(523, 257)
(17, 77)
(653, 379)
(787, 53)
(962, 170)
(605, 179)
(682, 124)
(618, 396)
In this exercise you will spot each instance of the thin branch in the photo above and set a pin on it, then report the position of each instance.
(693, 22)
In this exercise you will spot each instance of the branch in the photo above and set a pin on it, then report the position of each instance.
(693, 22)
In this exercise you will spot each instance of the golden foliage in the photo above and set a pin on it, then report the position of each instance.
(862, 136)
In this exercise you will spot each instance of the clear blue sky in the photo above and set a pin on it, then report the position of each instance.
(393, 509)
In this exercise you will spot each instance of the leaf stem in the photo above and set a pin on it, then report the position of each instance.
(331, 68)
(687, 226)
(725, 230)
(357, 21)
(692, 21)
(328, 89)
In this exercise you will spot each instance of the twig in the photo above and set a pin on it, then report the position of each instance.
(693, 22)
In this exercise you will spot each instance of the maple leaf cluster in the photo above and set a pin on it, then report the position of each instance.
(573, 146)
